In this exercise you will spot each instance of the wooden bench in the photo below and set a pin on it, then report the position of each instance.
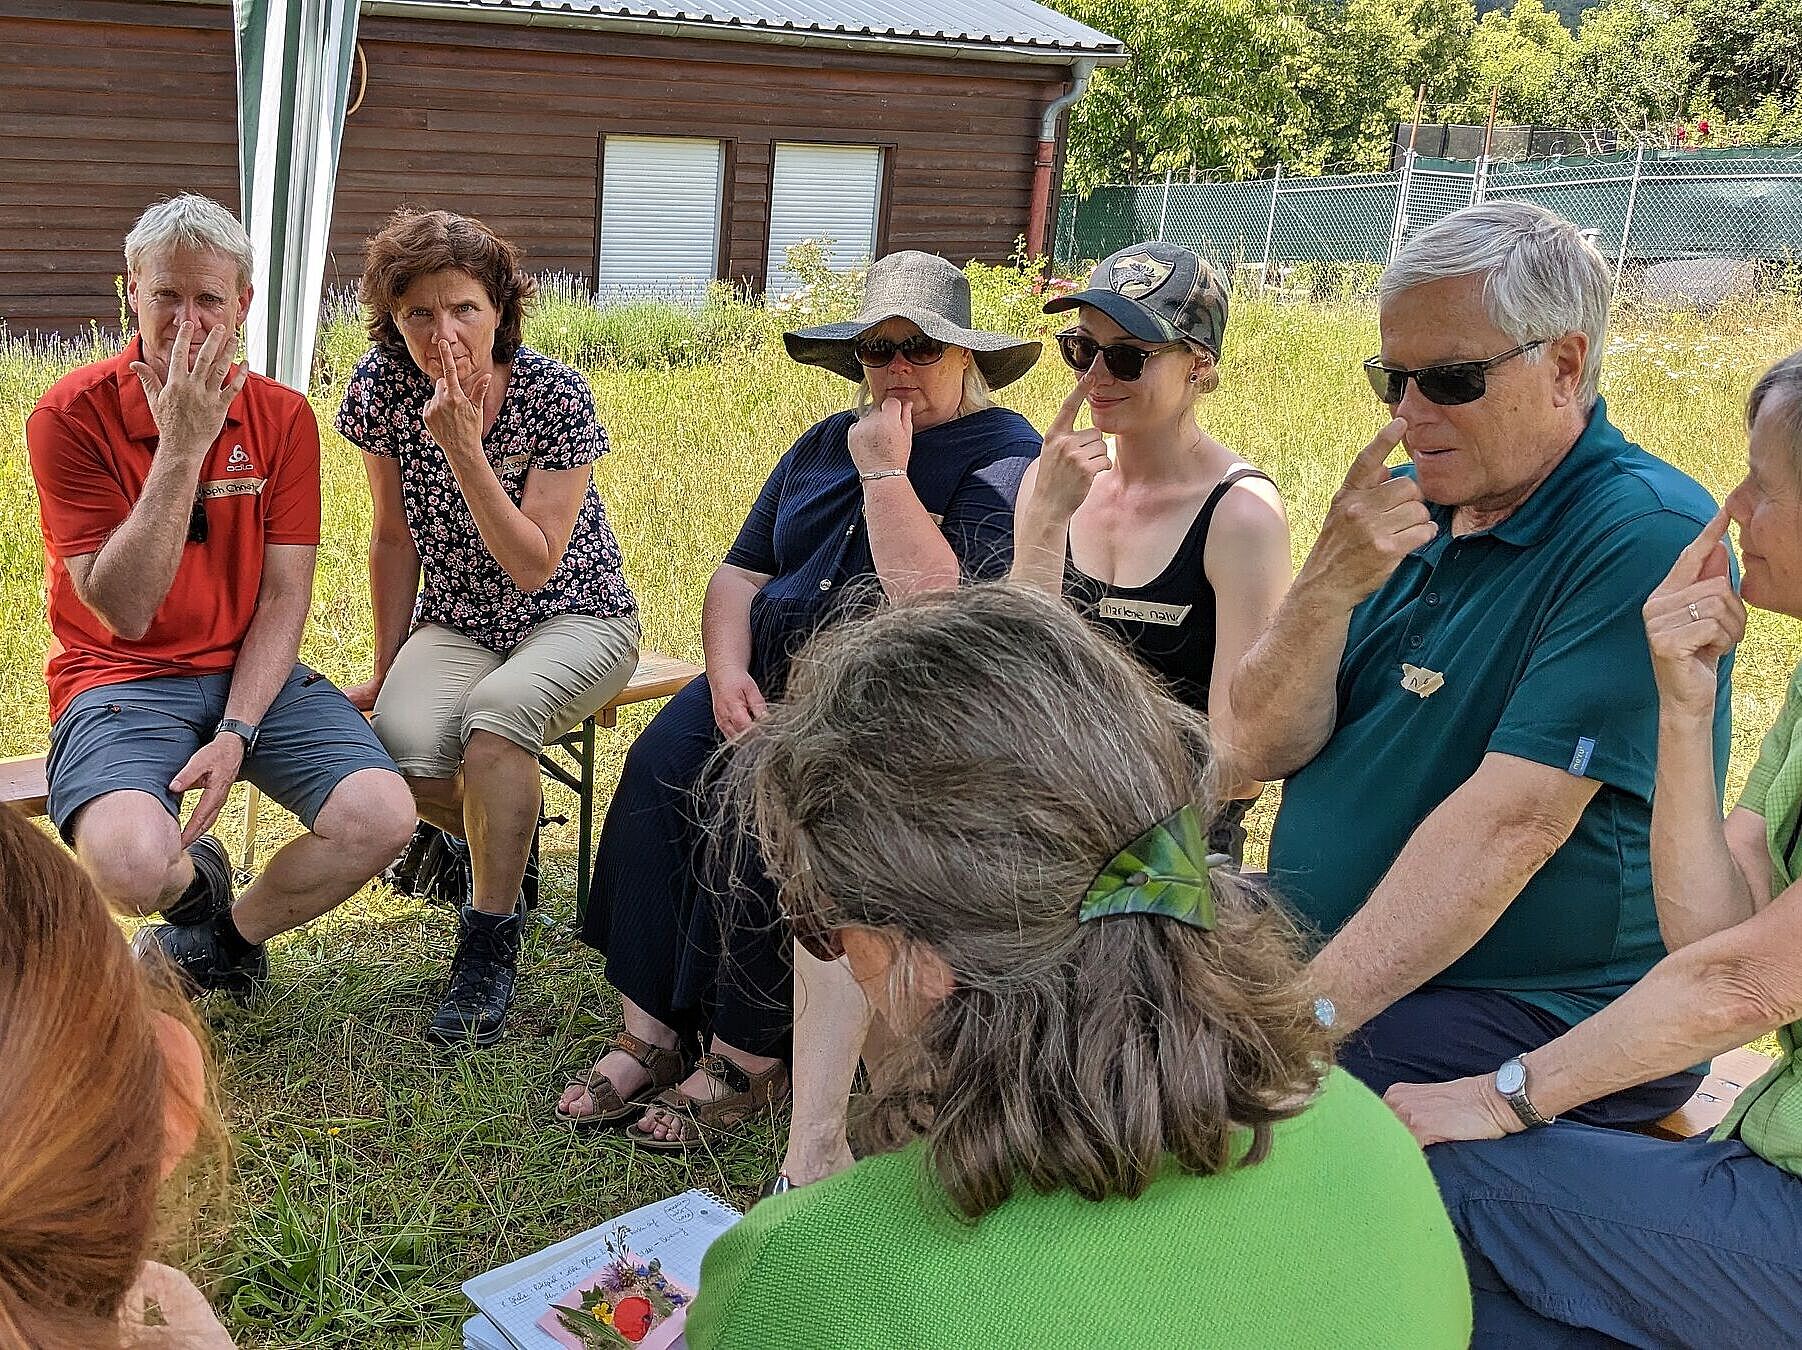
(569, 761)
(1728, 1076)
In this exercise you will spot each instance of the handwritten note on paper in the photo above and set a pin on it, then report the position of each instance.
(677, 1231)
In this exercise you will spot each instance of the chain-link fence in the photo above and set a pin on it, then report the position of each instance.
(1643, 207)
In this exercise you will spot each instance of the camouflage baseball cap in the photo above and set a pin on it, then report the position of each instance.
(1158, 293)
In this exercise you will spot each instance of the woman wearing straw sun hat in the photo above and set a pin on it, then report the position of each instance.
(911, 490)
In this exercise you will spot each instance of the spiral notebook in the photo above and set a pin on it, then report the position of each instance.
(511, 1299)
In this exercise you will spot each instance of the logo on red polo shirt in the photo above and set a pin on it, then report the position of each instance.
(238, 461)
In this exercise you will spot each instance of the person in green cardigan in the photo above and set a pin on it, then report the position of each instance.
(1582, 1237)
(1109, 1117)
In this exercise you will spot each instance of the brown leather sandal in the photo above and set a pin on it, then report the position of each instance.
(666, 1067)
(752, 1095)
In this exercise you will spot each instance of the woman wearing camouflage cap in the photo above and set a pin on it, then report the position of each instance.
(1167, 540)
(1184, 554)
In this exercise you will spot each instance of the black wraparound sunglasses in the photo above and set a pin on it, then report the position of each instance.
(1123, 360)
(197, 530)
(919, 350)
(1448, 385)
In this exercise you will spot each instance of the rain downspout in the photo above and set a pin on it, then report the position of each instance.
(1080, 71)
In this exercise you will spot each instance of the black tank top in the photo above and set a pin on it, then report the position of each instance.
(1168, 623)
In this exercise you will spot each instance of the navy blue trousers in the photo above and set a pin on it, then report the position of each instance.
(692, 934)
(1579, 1238)
(1439, 1033)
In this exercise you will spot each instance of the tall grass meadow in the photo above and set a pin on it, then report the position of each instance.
(373, 1175)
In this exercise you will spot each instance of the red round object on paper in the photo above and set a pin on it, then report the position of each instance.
(632, 1318)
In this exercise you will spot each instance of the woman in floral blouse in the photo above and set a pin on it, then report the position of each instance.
(479, 451)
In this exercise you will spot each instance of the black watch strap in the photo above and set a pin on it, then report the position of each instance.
(244, 731)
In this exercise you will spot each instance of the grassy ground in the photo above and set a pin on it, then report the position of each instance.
(372, 1175)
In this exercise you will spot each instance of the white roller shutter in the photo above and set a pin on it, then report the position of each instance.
(823, 191)
(660, 217)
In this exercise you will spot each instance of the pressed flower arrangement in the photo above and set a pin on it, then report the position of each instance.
(628, 1303)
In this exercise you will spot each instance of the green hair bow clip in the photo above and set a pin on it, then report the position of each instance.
(1163, 871)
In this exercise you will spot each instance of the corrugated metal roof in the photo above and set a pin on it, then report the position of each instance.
(1018, 24)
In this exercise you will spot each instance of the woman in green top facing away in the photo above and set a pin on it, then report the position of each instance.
(1582, 1237)
(1108, 1117)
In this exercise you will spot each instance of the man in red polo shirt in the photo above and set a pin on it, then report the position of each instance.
(179, 496)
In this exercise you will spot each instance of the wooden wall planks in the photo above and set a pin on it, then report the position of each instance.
(130, 101)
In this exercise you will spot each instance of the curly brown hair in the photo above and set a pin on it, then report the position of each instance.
(414, 244)
(953, 773)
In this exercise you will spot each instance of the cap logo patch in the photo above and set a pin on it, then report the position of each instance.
(1139, 275)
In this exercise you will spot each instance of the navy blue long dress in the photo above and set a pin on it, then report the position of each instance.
(697, 951)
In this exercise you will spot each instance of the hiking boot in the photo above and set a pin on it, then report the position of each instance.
(195, 957)
(210, 892)
(404, 874)
(482, 976)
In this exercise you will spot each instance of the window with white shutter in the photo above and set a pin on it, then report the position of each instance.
(830, 192)
(660, 217)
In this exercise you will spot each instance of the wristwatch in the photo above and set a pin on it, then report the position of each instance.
(244, 731)
(1511, 1083)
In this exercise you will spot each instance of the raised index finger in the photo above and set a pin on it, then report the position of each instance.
(448, 364)
(1072, 405)
(1369, 466)
(1694, 561)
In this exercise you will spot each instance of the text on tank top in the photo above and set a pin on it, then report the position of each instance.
(1168, 623)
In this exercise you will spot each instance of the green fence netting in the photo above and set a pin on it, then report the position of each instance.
(1645, 206)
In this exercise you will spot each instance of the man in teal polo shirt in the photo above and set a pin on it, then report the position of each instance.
(1457, 690)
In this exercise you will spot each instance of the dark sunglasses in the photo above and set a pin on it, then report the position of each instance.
(197, 521)
(919, 350)
(1447, 385)
(1124, 361)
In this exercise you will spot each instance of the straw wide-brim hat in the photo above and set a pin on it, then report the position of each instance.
(928, 291)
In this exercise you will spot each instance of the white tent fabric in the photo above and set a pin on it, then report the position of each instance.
(294, 64)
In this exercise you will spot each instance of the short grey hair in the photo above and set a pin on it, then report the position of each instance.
(1777, 396)
(1542, 278)
(190, 221)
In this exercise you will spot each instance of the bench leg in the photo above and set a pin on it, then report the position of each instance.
(585, 821)
(252, 805)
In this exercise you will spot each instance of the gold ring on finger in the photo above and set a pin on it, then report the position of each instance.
(1695, 613)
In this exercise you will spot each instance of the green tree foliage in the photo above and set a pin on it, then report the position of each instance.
(1523, 51)
(1240, 85)
(1369, 58)
(1750, 49)
(1631, 67)
(1212, 83)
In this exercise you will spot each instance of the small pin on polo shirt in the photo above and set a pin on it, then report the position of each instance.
(1420, 680)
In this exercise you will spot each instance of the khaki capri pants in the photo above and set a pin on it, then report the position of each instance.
(444, 687)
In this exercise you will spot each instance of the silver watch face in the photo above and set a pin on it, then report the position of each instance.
(1324, 1011)
(1511, 1078)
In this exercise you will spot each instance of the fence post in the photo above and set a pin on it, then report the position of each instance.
(1620, 258)
(1479, 186)
(1164, 210)
(1276, 181)
(1401, 206)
